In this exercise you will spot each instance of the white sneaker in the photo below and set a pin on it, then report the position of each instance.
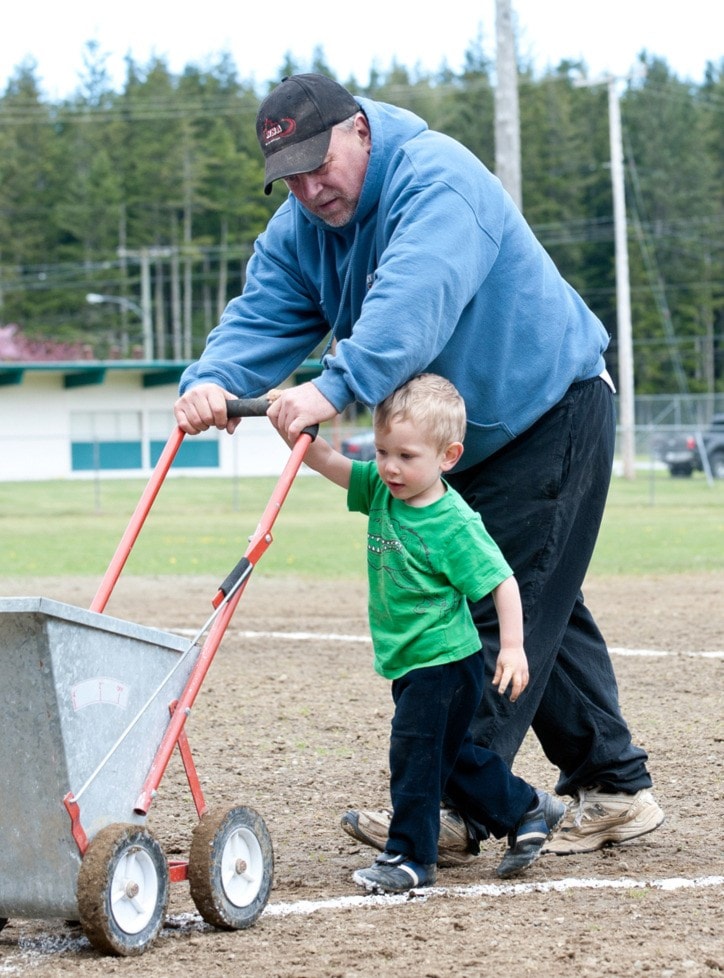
(595, 819)
(456, 845)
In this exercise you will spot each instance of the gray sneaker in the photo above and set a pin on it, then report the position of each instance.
(457, 845)
(525, 842)
(395, 873)
(595, 819)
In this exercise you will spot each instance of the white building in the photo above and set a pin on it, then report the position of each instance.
(76, 419)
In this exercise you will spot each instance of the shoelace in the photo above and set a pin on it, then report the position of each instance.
(581, 803)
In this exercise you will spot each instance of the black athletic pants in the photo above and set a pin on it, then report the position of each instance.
(542, 499)
(432, 752)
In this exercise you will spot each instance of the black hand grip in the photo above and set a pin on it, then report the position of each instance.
(248, 407)
(257, 407)
(239, 573)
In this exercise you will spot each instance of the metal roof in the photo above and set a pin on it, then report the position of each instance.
(83, 373)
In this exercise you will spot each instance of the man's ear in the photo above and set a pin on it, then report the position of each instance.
(362, 128)
(451, 455)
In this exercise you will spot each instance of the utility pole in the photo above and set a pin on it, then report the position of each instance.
(143, 256)
(626, 414)
(507, 116)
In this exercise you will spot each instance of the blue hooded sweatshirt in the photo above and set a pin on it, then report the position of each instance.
(436, 271)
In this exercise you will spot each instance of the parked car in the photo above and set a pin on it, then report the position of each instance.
(360, 446)
(683, 456)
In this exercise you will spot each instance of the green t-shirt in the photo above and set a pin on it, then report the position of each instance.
(422, 564)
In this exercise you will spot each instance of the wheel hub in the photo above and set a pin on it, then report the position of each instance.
(131, 889)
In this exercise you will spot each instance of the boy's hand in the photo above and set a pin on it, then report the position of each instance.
(320, 455)
(511, 669)
(272, 396)
(297, 408)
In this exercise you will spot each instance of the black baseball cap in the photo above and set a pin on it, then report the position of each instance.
(294, 124)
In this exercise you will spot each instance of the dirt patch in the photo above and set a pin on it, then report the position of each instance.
(293, 722)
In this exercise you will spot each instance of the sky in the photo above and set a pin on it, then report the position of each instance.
(606, 36)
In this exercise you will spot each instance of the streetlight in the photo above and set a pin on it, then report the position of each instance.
(94, 298)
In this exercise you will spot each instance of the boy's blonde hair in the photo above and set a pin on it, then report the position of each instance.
(430, 402)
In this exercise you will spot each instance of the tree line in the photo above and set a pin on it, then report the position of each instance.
(152, 196)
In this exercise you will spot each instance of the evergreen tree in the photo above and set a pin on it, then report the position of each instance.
(567, 182)
(672, 182)
(29, 157)
(166, 177)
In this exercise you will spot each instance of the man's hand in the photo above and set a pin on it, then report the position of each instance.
(204, 407)
(297, 408)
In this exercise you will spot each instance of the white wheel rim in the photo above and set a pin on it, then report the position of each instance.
(242, 867)
(134, 890)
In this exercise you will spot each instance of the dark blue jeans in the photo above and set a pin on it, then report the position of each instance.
(542, 499)
(431, 751)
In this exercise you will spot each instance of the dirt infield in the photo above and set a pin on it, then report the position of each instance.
(292, 721)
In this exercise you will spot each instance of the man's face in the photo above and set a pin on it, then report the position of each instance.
(332, 191)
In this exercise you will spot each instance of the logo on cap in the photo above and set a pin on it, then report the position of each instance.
(271, 131)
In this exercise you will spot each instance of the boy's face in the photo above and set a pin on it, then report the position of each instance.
(410, 465)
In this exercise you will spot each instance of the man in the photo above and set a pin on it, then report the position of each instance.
(401, 245)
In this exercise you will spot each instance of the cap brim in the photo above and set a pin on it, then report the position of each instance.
(296, 158)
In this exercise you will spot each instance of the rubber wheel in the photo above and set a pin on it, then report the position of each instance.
(123, 890)
(3, 921)
(231, 867)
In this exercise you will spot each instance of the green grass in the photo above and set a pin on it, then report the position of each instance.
(196, 526)
(661, 525)
(200, 526)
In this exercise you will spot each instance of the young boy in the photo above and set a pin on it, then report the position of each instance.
(428, 552)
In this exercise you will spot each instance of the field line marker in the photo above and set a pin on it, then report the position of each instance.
(336, 637)
(33, 949)
(489, 890)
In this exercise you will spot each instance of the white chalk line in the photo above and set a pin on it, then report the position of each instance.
(36, 949)
(489, 890)
(337, 637)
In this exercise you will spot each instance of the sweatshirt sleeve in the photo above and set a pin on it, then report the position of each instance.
(267, 331)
